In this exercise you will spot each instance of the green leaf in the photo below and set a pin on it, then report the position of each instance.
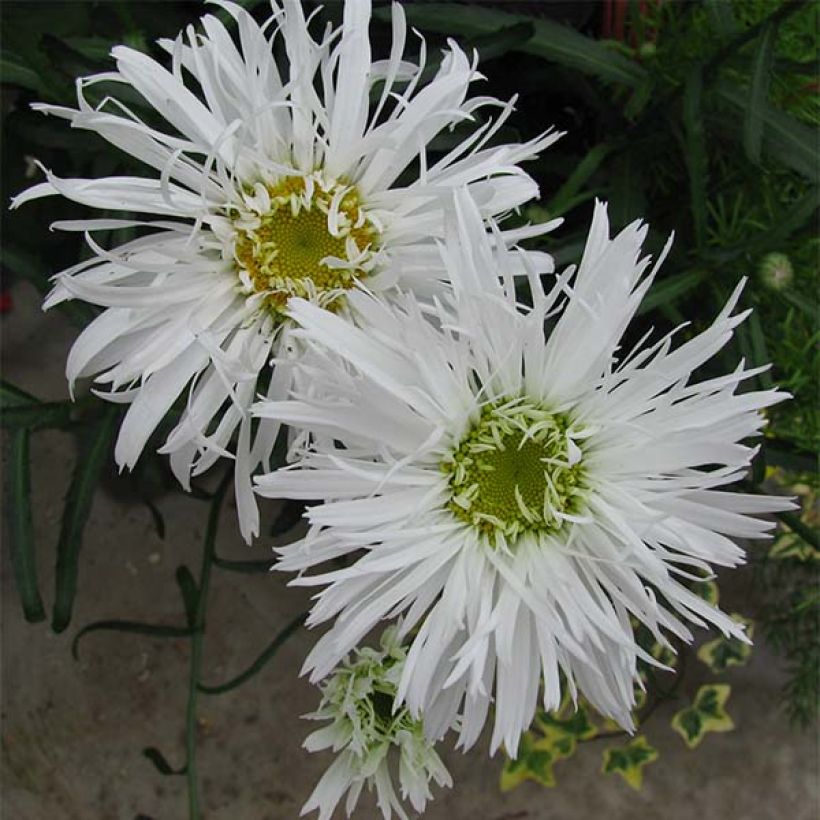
(94, 452)
(36, 416)
(705, 715)
(629, 760)
(160, 763)
(550, 41)
(190, 593)
(576, 725)
(21, 527)
(785, 138)
(15, 73)
(568, 195)
(132, 627)
(627, 197)
(759, 93)
(671, 288)
(723, 652)
(275, 645)
(249, 567)
(12, 396)
(696, 161)
(497, 43)
(535, 761)
(708, 590)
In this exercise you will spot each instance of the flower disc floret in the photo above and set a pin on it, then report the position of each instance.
(303, 236)
(516, 470)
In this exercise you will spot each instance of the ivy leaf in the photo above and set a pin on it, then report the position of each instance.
(535, 761)
(629, 760)
(723, 652)
(705, 715)
(708, 590)
(577, 725)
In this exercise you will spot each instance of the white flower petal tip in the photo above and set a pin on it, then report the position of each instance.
(516, 496)
(263, 181)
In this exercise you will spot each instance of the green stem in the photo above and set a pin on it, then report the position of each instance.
(196, 646)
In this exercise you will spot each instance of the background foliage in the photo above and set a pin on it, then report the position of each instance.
(700, 116)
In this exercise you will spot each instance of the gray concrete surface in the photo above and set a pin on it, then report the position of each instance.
(72, 731)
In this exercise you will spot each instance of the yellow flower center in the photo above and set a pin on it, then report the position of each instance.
(304, 236)
(514, 472)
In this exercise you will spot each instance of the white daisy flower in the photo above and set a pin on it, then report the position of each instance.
(368, 733)
(268, 182)
(514, 485)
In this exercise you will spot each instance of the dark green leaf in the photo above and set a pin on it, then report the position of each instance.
(16, 73)
(249, 567)
(498, 43)
(696, 161)
(133, 627)
(94, 452)
(260, 662)
(11, 396)
(160, 763)
(21, 528)
(550, 41)
(567, 196)
(784, 137)
(190, 593)
(36, 416)
(670, 289)
(628, 190)
(759, 93)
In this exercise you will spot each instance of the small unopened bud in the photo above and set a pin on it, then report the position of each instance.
(776, 271)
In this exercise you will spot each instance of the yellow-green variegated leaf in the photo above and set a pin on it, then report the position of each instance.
(536, 757)
(664, 654)
(791, 545)
(576, 724)
(706, 714)
(708, 590)
(629, 760)
(723, 652)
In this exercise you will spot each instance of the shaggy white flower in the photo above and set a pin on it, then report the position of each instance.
(368, 733)
(515, 486)
(269, 182)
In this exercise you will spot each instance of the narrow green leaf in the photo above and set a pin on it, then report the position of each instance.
(670, 289)
(160, 763)
(12, 396)
(15, 73)
(722, 17)
(785, 138)
(627, 199)
(190, 592)
(696, 162)
(260, 662)
(249, 567)
(760, 350)
(566, 196)
(550, 41)
(133, 627)
(36, 416)
(94, 452)
(21, 527)
(759, 93)
(498, 43)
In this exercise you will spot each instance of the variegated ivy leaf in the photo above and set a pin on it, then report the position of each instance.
(791, 545)
(629, 760)
(706, 714)
(723, 652)
(708, 590)
(576, 724)
(536, 757)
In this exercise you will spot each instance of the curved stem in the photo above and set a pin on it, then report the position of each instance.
(196, 646)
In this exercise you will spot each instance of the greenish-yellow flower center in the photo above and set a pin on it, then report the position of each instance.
(516, 470)
(306, 237)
